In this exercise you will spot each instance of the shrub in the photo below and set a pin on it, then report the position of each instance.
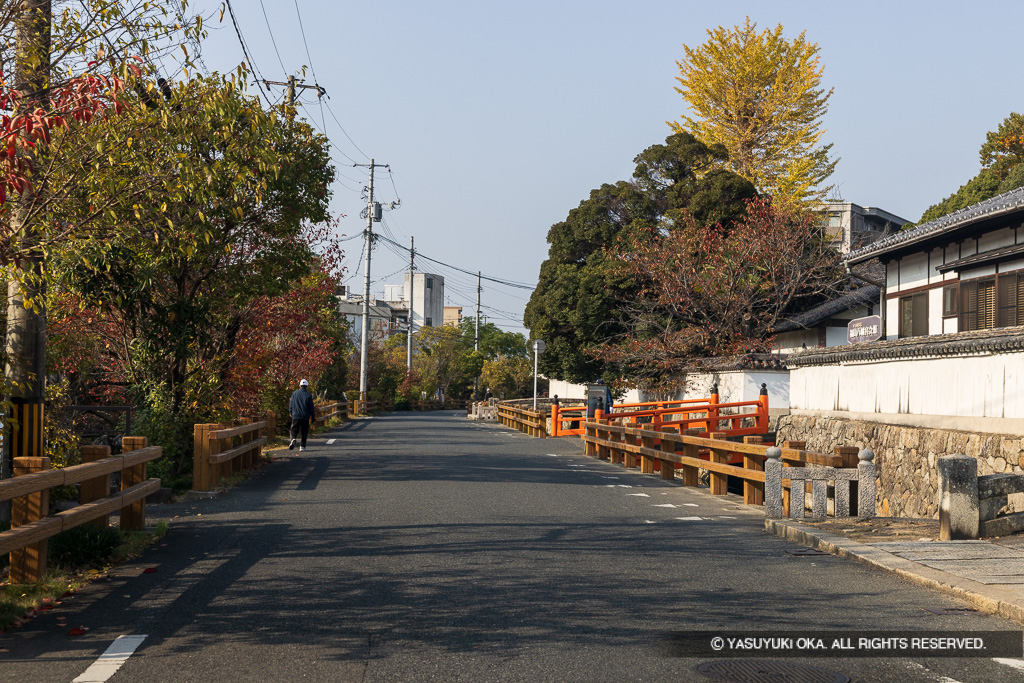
(83, 546)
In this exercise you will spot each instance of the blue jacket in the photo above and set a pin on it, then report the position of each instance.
(301, 405)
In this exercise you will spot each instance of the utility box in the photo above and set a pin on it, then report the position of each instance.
(378, 213)
(599, 397)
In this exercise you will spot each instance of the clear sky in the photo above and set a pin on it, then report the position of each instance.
(498, 117)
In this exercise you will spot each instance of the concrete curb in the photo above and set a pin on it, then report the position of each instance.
(985, 597)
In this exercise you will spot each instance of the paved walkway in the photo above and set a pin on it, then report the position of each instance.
(987, 573)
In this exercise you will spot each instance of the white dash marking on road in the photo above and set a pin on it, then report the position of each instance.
(938, 678)
(689, 519)
(664, 505)
(1012, 663)
(649, 521)
(725, 517)
(330, 441)
(691, 505)
(623, 486)
(638, 494)
(111, 660)
(553, 455)
(610, 477)
(577, 465)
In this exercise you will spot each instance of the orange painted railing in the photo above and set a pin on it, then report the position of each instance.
(704, 414)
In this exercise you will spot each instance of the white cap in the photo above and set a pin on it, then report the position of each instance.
(304, 383)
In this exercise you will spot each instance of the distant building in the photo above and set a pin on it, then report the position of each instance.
(852, 226)
(453, 315)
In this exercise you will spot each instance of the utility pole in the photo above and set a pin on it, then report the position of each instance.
(476, 337)
(25, 368)
(372, 214)
(412, 285)
(293, 84)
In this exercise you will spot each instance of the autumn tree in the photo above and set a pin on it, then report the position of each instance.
(219, 228)
(574, 307)
(709, 291)
(760, 95)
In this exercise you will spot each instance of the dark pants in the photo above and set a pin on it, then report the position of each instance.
(300, 425)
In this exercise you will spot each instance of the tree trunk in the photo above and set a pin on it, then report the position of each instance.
(25, 370)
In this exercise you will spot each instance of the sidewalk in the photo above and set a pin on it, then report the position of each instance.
(986, 573)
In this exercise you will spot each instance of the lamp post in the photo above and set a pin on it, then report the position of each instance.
(538, 348)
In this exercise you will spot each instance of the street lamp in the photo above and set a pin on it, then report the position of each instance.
(538, 348)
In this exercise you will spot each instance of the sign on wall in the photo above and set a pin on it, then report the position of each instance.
(864, 329)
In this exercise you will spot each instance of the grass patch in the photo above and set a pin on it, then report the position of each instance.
(21, 602)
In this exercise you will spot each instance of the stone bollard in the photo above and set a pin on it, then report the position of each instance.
(773, 483)
(958, 497)
(866, 484)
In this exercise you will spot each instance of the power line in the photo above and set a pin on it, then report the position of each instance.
(506, 283)
(272, 41)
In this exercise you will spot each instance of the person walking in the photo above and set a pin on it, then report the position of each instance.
(301, 409)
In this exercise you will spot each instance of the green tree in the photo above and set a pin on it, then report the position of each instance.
(760, 96)
(574, 308)
(1001, 170)
(444, 360)
(220, 225)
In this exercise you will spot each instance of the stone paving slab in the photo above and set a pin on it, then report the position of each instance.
(982, 573)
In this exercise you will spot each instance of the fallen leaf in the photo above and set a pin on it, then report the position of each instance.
(76, 631)
(149, 570)
(46, 608)
(94, 571)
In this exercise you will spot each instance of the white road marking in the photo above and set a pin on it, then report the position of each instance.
(1012, 663)
(610, 477)
(691, 505)
(649, 521)
(638, 494)
(937, 677)
(330, 441)
(725, 517)
(664, 505)
(111, 660)
(577, 465)
(690, 519)
(553, 455)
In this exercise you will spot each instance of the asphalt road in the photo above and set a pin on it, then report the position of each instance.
(424, 547)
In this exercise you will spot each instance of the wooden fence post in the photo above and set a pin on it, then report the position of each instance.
(98, 487)
(763, 421)
(614, 454)
(691, 473)
(28, 565)
(246, 458)
(668, 468)
(201, 475)
(719, 482)
(787, 492)
(133, 516)
(713, 410)
(753, 491)
(647, 462)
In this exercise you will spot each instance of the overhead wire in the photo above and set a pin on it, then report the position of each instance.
(500, 281)
(272, 41)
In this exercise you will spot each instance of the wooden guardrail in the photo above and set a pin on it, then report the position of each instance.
(659, 451)
(215, 454)
(529, 422)
(29, 491)
(329, 409)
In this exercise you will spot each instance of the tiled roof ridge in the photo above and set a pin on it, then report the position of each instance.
(1000, 340)
(1012, 199)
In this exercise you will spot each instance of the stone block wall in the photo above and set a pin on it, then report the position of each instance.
(905, 457)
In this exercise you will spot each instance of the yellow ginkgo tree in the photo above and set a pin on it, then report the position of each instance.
(760, 95)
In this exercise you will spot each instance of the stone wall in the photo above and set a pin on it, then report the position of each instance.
(905, 456)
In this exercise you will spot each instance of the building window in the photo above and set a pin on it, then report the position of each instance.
(914, 315)
(991, 302)
(949, 301)
(978, 304)
(430, 283)
(430, 322)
